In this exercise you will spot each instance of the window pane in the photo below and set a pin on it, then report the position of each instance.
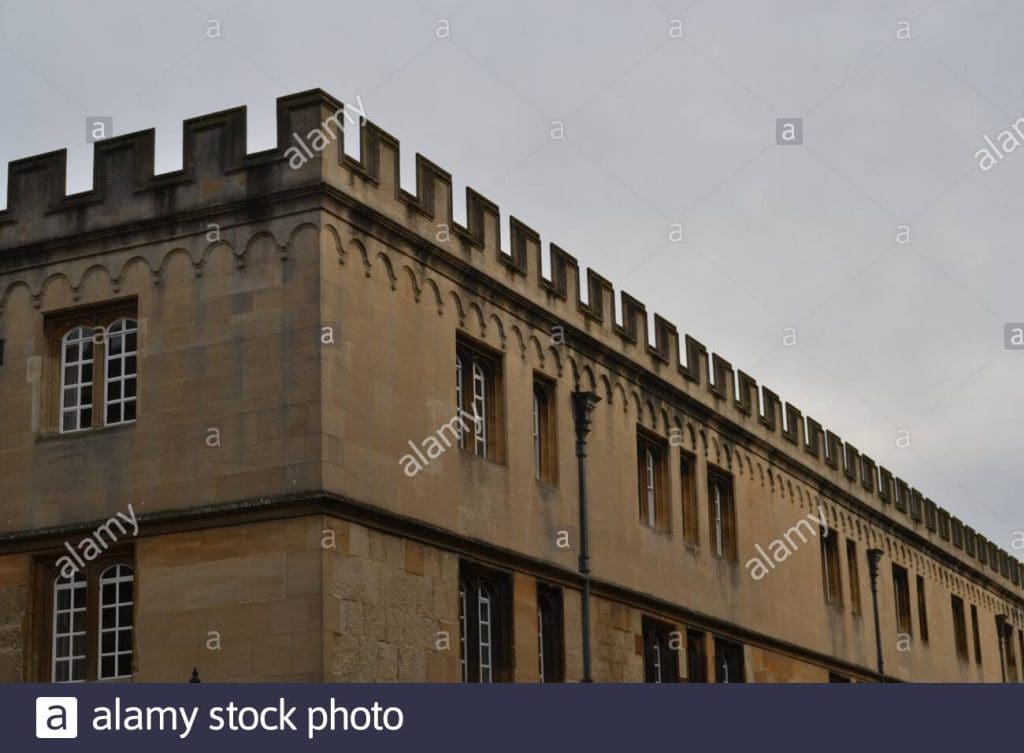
(129, 411)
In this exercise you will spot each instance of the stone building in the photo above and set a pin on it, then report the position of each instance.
(230, 439)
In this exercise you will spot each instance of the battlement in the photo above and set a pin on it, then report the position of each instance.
(309, 157)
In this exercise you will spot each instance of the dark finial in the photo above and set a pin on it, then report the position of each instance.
(195, 675)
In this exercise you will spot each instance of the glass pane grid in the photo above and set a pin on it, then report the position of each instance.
(120, 375)
(115, 637)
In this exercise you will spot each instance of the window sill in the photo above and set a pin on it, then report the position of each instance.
(56, 436)
(663, 532)
(472, 456)
(547, 486)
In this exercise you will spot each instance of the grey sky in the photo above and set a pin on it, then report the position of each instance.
(658, 130)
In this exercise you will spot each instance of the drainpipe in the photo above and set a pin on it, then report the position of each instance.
(874, 556)
(583, 404)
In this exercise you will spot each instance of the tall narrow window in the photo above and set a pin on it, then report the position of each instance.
(652, 494)
(854, 574)
(76, 380)
(922, 609)
(729, 665)
(549, 633)
(721, 515)
(89, 625)
(480, 408)
(974, 627)
(1020, 641)
(696, 658)
(484, 621)
(121, 367)
(477, 399)
(901, 589)
(688, 484)
(960, 627)
(545, 465)
(1011, 654)
(115, 640)
(661, 660)
(831, 579)
(460, 404)
(68, 650)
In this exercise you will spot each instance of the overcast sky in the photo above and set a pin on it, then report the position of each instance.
(657, 130)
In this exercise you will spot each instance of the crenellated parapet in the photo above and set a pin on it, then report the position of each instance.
(309, 157)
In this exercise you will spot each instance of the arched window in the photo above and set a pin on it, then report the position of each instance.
(68, 650)
(484, 621)
(549, 633)
(121, 371)
(94, 364)
(76, 381)
(116, 600)
(661, 658)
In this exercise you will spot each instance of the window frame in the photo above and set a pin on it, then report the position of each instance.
(696, 656)
(550, 634)
(545, 431)
(853, 570)
(724, 648)
(652, 481)
(479, 586)
(959, 618)
(98, 320)
(661, 661)
(46, 574)
(922, 608)
(722, 515)
(831, 575)
(901, 593)
(479, 380)
(688, 497)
